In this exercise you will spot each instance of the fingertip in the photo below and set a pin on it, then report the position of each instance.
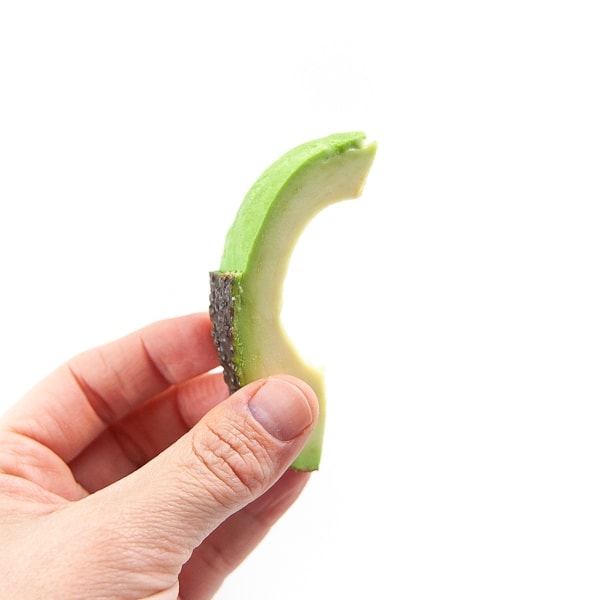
(286, 407)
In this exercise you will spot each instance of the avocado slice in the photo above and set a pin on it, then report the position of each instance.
(246, 292)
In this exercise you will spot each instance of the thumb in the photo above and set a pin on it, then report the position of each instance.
(231, 457)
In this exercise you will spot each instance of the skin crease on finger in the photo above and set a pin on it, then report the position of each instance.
(166, 492)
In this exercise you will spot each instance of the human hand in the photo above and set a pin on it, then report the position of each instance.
(130, 473)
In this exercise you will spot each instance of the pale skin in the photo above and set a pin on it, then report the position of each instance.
(130, 472)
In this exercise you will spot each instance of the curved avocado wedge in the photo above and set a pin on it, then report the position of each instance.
(246, 292)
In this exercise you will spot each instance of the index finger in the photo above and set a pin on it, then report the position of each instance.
(75, 403)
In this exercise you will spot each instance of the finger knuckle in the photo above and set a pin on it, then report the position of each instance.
(237, 462)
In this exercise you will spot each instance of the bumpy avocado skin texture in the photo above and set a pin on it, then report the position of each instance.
(224, 288)
(246, 292)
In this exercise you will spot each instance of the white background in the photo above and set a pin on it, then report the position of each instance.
(455, 306)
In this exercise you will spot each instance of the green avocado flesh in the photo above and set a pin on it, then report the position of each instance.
(246, 292)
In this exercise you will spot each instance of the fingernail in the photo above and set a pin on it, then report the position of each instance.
(281, 408)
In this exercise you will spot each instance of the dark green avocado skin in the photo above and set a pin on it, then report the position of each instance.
(221, 308)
